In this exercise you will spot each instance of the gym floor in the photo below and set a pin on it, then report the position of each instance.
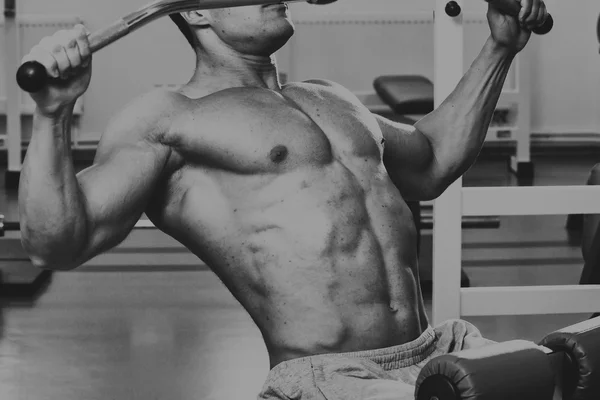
(146, 321)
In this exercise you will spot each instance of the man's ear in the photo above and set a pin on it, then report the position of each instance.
(195, 18)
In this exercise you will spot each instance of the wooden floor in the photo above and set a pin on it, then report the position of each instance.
(146, 321)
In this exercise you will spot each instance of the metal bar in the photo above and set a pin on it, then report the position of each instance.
(447, 232)
(12, 59)
(540, 200)
(530, 300)
(523, 86)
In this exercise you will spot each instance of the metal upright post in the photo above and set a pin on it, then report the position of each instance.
(13, 93)
(447, 209)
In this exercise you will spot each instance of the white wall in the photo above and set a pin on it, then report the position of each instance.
(566, 82)
(566, 79)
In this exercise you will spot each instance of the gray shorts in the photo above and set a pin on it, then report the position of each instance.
(381, 374)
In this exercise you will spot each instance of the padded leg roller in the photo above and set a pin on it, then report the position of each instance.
(581, 345)
(514, 370)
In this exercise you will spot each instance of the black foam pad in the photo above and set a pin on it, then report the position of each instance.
(406, 94)
(514, 370)
(581, 343)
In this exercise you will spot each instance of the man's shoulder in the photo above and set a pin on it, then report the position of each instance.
(331, 87)
(157, 102)
(325, 83)
(334, 90)
(149, 114)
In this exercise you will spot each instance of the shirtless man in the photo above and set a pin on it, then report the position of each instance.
(294, 195)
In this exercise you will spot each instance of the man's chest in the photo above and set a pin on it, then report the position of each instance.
(254, 130)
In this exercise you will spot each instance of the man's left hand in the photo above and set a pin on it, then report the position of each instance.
(513, 33)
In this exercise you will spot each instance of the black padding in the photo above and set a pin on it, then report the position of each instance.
(406, 94)
(438, 387)
(514, 370)
(598, 29)
(570, 376)
(581, 343)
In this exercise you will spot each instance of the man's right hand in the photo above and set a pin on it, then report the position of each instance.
(67, 58)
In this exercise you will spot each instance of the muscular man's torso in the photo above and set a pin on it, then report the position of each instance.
(286, 198)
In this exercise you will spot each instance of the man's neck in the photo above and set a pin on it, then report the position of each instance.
(224, 70)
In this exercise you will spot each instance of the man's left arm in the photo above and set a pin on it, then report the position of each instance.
(425, 159)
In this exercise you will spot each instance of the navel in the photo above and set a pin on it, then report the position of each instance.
(279, 154)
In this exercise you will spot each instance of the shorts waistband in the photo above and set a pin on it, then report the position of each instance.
(389, 358)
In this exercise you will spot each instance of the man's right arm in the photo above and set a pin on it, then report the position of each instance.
(67, 219)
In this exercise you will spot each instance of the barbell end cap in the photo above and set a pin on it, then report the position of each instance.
(32, 77)
(453, 9)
